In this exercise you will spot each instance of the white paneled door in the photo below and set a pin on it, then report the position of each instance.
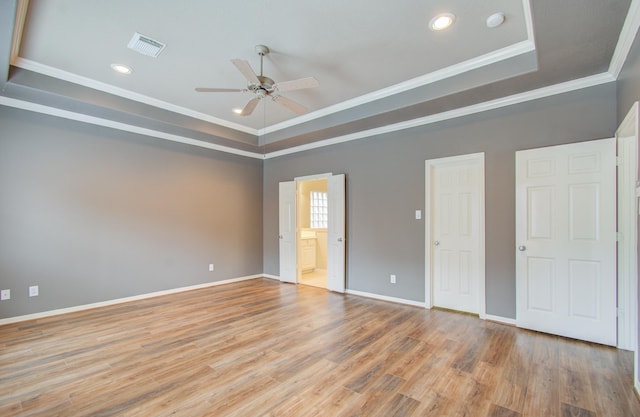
(287, 231)
(566, 240)
(336, 233)
(455, 233)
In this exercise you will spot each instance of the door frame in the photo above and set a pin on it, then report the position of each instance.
(297, 180)
(474, 157)
(627, 228)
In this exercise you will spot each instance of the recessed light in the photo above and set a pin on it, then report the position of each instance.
(495, 20)
(442, 21)
(122, 69)
(237, 111)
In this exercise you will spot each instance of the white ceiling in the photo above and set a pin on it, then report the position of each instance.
(359, 50)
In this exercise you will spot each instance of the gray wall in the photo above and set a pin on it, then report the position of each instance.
(385, 185)
(92, 214)
(628, 84)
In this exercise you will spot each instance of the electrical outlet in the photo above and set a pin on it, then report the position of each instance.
(211, 268)
(392, 278)
(5, 295)
(34, 291)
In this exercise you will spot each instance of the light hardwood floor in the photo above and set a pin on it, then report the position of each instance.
(261, 348)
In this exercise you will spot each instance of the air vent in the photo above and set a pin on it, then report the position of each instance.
(145, 45)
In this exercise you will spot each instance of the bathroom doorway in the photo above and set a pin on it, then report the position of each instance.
(312, 232)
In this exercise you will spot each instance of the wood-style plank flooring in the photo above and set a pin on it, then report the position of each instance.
(261, 348)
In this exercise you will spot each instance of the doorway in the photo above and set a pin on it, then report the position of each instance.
(291, 232)
(312, 215)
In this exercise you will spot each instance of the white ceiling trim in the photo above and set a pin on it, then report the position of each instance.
(565, 87)
(439, 75)
(511, 51)
(79, 117)
(627, 36)
(121, 92)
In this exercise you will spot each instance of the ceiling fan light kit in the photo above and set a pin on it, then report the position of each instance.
(262, 86)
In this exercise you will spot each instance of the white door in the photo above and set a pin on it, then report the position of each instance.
(455, 233)
(566, 240)
(287, 231)
(336, 233)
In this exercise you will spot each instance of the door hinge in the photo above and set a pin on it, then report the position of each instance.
(619, 311)
(618, 161)
(618, 236)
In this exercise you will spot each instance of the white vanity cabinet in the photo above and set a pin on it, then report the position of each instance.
(308, 254)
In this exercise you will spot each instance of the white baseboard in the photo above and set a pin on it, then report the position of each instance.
(386, 298)
(498, 319)
(636, 385)
(57, 312)
(277, 278)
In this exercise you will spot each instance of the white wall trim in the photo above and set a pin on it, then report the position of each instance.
(625, 41)
(79, 117)
(269, 276)
(498, 319)
(543, 92)
(385, 298)
(121, 92)
(435, 76)
(561, 88)
(57, 312)
(627, 214)
(430, 78)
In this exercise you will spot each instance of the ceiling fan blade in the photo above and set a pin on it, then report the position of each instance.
(299, 84)
(290, 104)
(219, 90)
(251, 105)
(246, 70)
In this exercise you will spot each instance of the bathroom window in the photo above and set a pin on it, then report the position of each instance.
(318, 210)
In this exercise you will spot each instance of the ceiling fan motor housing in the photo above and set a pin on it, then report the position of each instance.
(265, 87)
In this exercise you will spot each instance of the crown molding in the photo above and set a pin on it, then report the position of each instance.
(552, 90)
(625, 41)
(121, 92)
(493, 57)
(79, 117)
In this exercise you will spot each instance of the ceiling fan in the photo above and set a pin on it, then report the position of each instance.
(262, 86)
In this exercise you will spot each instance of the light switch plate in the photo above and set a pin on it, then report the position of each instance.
(5, 295)
(418, 214)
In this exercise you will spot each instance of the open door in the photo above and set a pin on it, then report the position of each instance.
(336, 233)
(287, 231)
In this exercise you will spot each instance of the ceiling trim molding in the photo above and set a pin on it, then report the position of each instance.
(528, 16)
(79, 117)
(21, 16)
(625, 41)
(543, 92)
(121, 92)
(565, 87)
(493, 57)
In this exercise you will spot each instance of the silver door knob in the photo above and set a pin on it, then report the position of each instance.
(339, 239)
(280, 236)
(436, 243)
(522, 248)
